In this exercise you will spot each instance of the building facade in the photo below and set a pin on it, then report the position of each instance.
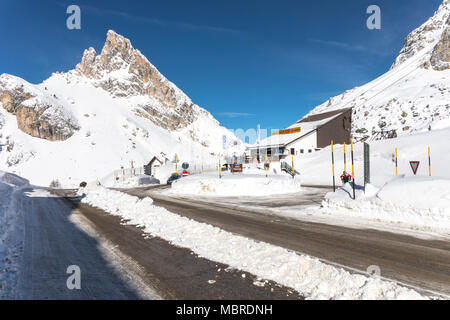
(308, 135)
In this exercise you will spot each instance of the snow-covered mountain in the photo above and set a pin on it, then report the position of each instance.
(113, 108)
(414, 95)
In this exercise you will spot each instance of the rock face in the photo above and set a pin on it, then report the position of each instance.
(36, 114)
(440, 59)
(430, 36)
(123, 71)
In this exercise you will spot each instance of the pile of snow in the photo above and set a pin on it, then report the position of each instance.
(134, 181)
(307, 275)
(246, 184)
(10, 231)
(415, 202)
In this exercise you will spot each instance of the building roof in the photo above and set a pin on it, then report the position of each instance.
(307, 126)
(155, 158)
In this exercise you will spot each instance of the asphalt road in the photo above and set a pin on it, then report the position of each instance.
(52, 243)
(422, 264)
(59, 233)
(176, 273)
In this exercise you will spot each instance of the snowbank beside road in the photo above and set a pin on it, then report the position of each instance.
(136, 181)
(307, 275)
(10, 233)
(420, 203)
(235, 185)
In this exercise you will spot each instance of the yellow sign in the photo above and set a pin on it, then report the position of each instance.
(286, 131)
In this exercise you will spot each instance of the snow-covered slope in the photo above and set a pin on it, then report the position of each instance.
(414, 95)
(114, 108)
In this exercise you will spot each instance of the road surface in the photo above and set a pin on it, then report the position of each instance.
(117, 261)
(422, 264)
(52, 243)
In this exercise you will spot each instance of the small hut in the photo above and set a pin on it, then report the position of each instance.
(153, 164)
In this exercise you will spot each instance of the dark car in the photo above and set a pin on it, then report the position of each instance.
(172, 178)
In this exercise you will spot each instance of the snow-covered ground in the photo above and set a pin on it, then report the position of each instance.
(315, 168)
(421, 204)
(10, 230)
(412, 202)
(252, 183)
(309, 276)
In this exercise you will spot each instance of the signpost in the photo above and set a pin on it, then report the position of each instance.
(366, 164)
(332, 165)
(353, 170)
(396, 162)
(345, 160)
(258, 139)
(414, 166)
(429, 161)
(220, 168)
(175, 160)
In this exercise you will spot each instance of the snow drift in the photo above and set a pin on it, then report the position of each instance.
(11, 229)
(417, 203)
(235, 185)
(307, 275)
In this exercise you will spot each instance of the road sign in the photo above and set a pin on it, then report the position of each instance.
(185, 165)
(185, 174)
(414, 166)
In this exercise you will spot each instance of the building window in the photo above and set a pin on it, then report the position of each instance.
(302, 151)
(269, 152)
(344, 123)
(292, 151)
(309, 150)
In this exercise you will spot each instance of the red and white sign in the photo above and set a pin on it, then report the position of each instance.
(185, 174)
(414, 166)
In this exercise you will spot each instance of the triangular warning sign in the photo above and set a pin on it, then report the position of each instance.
(414, 166)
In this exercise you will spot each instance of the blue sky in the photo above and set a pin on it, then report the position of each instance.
(245, 61)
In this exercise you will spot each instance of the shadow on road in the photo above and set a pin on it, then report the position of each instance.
(52, 243)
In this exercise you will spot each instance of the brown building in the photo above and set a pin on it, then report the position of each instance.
(308, 135)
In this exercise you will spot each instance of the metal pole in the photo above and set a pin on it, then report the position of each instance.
(396, 162)
(345, 160)
(293, 171)
(265, 165)
(366, 165)
(429, 161)
(220, 168)
(332, 165)
(353, 171)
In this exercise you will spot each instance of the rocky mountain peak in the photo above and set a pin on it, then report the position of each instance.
(431, 36)
(125, 72)
(117, 54)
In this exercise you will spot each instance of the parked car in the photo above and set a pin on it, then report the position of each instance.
(172, 178)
